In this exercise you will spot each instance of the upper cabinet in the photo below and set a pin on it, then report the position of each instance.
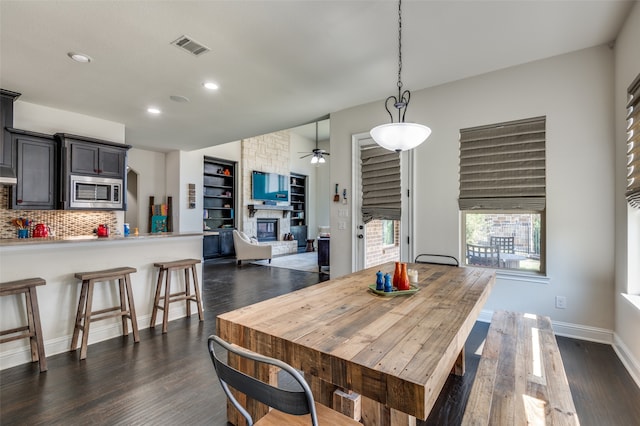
(96, 159)
(7, 157)
(37, 157)
(93, 173)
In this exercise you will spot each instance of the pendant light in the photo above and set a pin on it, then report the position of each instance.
(399, 136)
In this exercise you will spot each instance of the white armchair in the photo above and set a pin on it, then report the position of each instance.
(249, 250)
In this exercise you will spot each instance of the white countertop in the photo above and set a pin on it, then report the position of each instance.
(92, 239)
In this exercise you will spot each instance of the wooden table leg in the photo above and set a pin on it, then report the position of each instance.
(377, 414)
(459, 366)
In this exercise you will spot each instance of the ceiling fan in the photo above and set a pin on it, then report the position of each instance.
(317, 153)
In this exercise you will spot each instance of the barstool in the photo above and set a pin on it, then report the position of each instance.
(86, 316)
(165, 270)
(32, 330)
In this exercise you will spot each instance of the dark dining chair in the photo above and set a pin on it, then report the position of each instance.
(292, 403)
(483, 255)
(437, 259)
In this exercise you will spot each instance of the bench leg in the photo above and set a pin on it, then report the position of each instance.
(87, 321)
(34, 317)
(187, 291)
(123, 306)
(196, 289)
(156, 299)
(79, 315)
(165, 311)
(132, 309)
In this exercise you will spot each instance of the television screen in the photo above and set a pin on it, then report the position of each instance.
(270, 187)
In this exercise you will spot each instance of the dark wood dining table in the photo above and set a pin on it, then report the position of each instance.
(394, 351)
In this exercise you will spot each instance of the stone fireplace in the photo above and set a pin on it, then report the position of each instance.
(267, 229)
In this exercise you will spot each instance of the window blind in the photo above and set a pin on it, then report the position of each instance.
(633, 144)
(502, 166)
(381, 191)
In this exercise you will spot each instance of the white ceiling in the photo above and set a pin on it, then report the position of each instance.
(279, 64)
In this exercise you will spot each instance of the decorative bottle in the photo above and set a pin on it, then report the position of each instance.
(403, 281)
(396, 275)
(379, 281)
(387, 283)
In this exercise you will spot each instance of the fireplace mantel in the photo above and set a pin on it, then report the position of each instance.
(254, 207)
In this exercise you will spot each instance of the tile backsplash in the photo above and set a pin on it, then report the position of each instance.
(63, 223)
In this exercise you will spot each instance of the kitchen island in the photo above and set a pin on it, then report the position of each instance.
(56, 260)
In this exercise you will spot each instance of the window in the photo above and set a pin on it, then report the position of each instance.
(388, 232)
(502, 195)
(633, 144)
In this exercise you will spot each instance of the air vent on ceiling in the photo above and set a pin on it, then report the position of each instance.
(190, 45)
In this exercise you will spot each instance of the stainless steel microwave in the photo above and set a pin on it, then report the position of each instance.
(93, 192)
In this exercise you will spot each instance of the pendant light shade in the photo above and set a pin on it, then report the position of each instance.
(399, 136)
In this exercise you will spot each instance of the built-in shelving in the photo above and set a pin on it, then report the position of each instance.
(298, 201)
(219, 194)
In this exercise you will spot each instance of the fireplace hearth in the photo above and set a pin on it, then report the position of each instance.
(267, 229)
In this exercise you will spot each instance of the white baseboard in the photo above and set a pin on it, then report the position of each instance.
(565, 329)
(592, 334)
(631, 364)
(22, 355)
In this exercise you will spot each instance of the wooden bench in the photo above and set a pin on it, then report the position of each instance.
(33, 329)
(165, 270)
(520, 379)
(86, 315)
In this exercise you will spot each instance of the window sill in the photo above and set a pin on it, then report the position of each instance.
(634, 299)
(523, 276)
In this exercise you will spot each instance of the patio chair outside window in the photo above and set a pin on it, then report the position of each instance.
(505, 244)
(483, 255)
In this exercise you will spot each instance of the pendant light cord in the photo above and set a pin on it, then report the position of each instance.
(399, 45)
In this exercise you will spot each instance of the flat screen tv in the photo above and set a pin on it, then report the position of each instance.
(269, 187)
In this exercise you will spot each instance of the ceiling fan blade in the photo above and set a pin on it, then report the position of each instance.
(325, 153)
(305, 156)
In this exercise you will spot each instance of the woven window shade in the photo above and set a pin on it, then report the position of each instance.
(502, 166)
(381, 191)
(633, 144)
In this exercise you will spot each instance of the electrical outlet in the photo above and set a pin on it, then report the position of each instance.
(561, 302)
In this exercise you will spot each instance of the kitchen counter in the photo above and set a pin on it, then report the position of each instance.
(57, 259)
(21, 242)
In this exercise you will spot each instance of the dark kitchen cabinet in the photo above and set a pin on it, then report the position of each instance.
(219, 245)
(211, 246)
(6, 121)
(94, 159)
(226, 243)
(37, 157)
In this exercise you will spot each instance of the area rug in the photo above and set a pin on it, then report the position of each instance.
(307, 262)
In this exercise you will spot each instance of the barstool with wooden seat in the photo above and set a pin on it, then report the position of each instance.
(166, 268)
(32, 330)
(86, 316)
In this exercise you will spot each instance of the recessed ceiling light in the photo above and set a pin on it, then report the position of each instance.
(153, 110)
(210, 85)
(79, 57)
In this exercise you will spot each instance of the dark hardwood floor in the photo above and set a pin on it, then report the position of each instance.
(169, 380)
